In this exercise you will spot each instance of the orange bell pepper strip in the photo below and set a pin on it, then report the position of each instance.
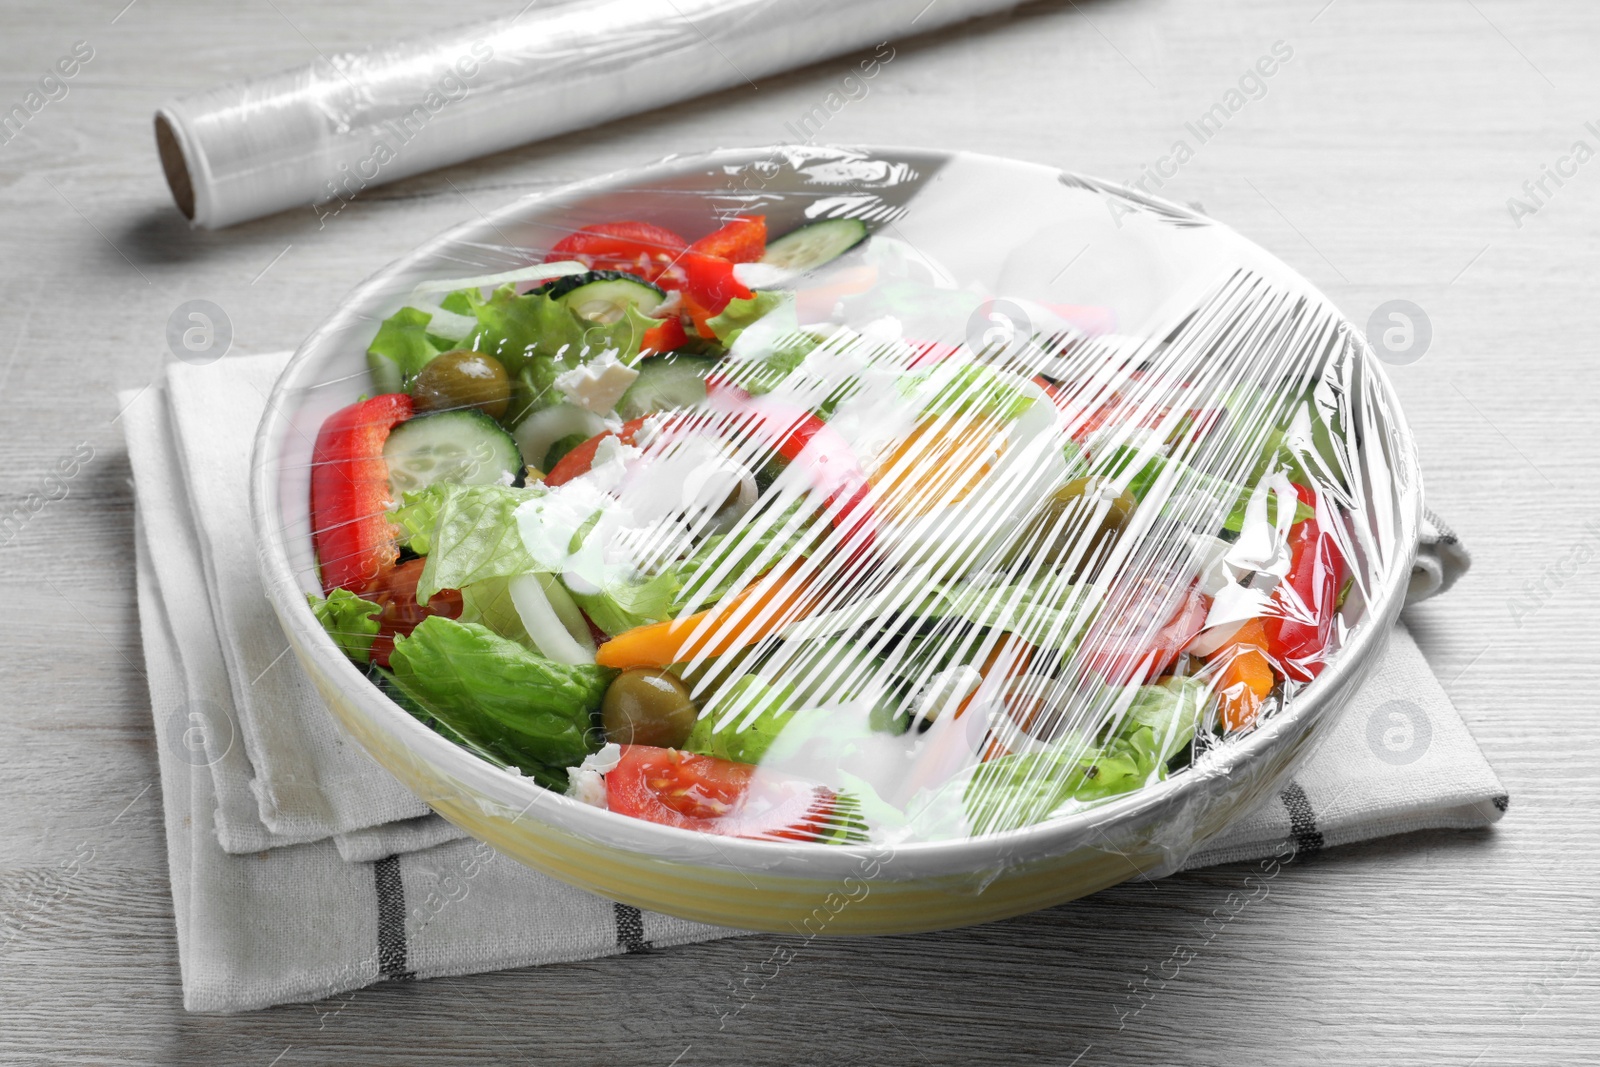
(1245, 677)
(1012, 656)
(757, 611)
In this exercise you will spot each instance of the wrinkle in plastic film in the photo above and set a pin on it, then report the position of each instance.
(1017, 508)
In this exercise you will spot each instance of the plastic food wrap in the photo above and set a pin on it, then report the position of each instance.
(314, 137)
(864, 498)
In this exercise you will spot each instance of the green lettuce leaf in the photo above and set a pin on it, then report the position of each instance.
(467, 533)
(538, 338)
(742, 720)
(401, 348)
(744, 311)
(349, 620)
(732, 556)
(1281, 430)
(488, 603)
(1021, 789)
(808, 682)
(499, 695)
(1192, 492)
(770, 352)
(549, 777)
(622, 605)
(970, 388)
(624, 599)
(1171, 711)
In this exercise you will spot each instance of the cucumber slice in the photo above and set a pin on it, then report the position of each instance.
(814, 244)
(603, 296)
(537, 434)
(665, 383)
(464, 446)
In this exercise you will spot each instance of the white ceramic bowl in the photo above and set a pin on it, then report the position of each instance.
(1150, 253)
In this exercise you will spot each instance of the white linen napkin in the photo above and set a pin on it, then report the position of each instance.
(282, 772)
(300, 869)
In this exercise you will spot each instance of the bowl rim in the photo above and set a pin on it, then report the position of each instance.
(609, 829)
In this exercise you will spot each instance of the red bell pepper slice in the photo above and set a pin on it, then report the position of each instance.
(350, 492)
(708, 287)
(743, 240)
(1303, 605)
(663, 337)
(637, 247)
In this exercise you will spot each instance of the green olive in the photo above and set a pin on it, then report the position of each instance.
(463, 379)
(647, 707)
(1081, 519)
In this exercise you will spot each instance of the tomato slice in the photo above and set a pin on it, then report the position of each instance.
(715, 796)
(1129, 643)
(743, 240)
(580, 459)
(395, 591)
(637, 247)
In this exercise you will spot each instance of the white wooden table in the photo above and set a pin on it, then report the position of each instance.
(1379, 162)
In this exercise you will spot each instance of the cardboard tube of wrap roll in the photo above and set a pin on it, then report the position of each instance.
(313, 138)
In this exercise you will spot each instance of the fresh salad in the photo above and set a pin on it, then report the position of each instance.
(760, 537)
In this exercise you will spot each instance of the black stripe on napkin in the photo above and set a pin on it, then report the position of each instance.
(392, 950)
(1302, 820)
(630, 928)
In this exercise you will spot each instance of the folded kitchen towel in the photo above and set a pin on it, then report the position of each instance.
(282, 772)
(300, 869)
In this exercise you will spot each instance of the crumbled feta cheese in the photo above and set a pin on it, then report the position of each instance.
(946, 689)
(586, 782)
(586, 787)
(599, 384)
(669, 307)
(609, 450)
(650, 429)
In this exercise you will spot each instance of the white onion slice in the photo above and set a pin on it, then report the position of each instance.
(544, 625)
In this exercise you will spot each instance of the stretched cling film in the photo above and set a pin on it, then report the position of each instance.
(1025, 509)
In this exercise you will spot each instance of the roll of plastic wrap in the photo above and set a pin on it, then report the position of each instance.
(316, 136)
